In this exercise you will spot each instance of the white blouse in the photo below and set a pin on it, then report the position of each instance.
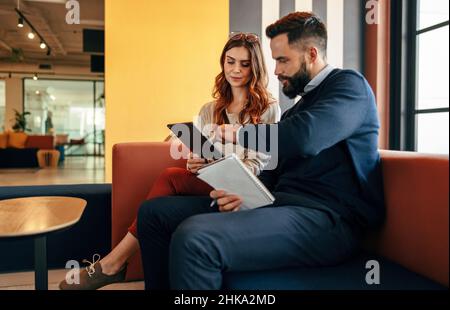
(255, 161)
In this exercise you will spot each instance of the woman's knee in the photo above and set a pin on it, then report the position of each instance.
(172, 172)
(169, 176)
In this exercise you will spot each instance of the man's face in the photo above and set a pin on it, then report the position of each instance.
(290, 66)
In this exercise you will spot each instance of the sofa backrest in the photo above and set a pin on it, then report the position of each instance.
(416, 232)
(136, 166)
(40, 142)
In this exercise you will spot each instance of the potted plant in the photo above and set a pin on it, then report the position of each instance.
(21, 121)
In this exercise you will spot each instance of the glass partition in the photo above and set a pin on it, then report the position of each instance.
(71, 110)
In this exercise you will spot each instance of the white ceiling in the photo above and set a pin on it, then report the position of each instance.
(48, 17)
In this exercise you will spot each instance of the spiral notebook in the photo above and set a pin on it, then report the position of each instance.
(231, 175)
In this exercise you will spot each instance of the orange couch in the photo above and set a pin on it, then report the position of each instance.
(42, 142)
(24, 153)
(31, 141)
(415, 234)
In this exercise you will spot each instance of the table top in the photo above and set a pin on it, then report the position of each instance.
(37, 215)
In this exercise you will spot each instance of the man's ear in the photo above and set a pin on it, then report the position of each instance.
(312, 54)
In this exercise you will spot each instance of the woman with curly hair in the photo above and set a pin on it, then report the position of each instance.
(241, 97)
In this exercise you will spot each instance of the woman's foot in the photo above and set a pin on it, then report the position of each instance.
(115, 260)
(92, 277)
(110, 267)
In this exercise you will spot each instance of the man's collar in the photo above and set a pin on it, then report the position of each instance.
(318, 79)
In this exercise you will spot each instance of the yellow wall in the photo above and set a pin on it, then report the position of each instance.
(161, 59)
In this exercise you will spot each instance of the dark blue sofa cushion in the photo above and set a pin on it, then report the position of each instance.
(19, 158)
(92, 234)
(350, 275)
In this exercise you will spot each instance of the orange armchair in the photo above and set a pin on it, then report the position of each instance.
(415, 234)
(135, 167)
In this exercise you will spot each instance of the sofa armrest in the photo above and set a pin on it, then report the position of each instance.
(135, 168)
(415, 233)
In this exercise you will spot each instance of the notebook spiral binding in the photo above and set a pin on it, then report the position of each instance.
(258, 183)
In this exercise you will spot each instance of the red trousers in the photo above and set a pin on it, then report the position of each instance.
(175, 181)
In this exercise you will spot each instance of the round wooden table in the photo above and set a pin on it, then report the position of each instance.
(36, 217)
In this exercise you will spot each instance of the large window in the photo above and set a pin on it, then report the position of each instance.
(74, 109)
(419, 76)
(2, 105)
(431, 132)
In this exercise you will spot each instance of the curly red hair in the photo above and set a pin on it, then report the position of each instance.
(258, 95)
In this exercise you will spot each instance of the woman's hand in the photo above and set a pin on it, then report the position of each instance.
(226, 202)
(194, 163)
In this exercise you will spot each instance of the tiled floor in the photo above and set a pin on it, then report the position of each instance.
(25, 281)
(75, 170)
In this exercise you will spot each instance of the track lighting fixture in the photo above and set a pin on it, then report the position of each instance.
(22, 21)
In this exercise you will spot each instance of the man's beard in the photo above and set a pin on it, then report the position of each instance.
(296, 83)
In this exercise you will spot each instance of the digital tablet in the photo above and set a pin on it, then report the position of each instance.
(193, 139)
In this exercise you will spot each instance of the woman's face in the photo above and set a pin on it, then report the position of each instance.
(237, 66)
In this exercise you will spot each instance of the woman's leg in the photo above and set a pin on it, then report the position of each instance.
(173, 181)
(178, 181)
(113, 262)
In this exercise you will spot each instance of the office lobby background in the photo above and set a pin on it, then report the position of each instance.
(161, 58)
(153, 62)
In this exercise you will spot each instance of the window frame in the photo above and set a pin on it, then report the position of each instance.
(404, 75)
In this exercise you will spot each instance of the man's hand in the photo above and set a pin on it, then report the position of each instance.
(227, 133)
(226, 202)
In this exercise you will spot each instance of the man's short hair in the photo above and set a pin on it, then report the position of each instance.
(303, 28)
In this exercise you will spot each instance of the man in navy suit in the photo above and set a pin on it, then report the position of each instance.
(327, 182)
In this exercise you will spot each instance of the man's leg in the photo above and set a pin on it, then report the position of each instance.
(204, 246)
(157, 220)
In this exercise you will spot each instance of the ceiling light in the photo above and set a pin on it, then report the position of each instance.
(37, 92)
(22, 20)
(35, 77)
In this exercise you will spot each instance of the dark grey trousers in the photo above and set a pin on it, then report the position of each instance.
(186, 244)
